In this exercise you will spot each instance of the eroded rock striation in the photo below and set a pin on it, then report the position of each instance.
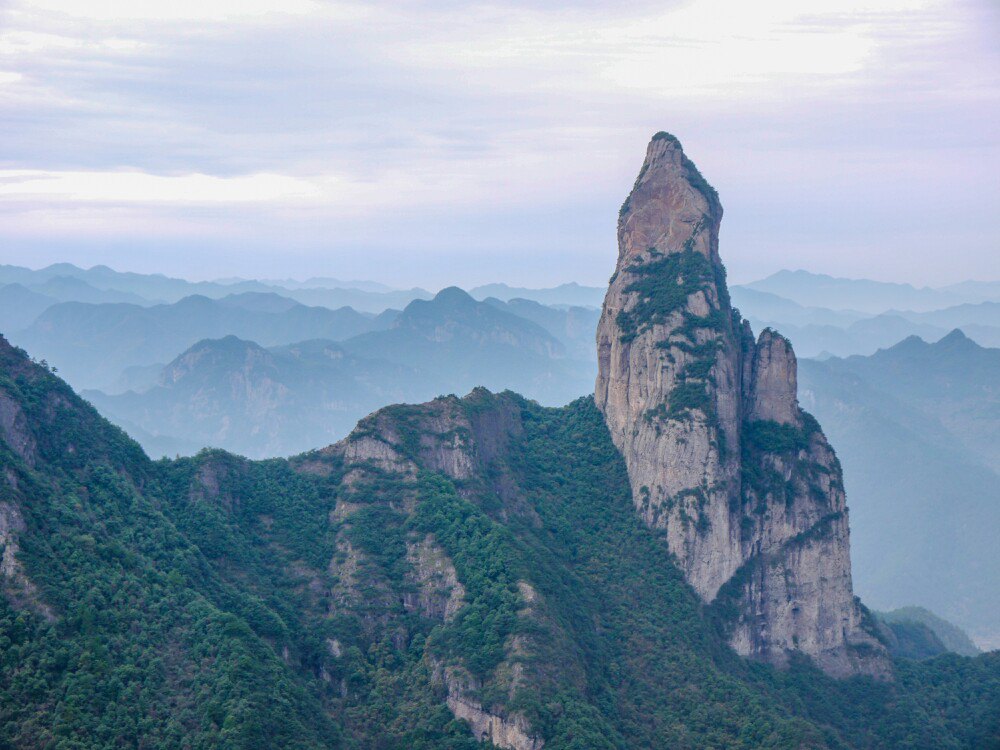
(719, 454)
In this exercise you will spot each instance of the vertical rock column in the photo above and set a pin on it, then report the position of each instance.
(669, 365)
(717, 450)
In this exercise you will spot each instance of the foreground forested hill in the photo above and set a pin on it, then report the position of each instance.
(466, 569)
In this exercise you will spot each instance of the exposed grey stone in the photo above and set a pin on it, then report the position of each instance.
(782, 546)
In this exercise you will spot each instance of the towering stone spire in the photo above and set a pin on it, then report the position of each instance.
(719, 453)
(773, 389)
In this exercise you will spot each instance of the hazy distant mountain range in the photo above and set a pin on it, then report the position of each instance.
(255, 401)
(573, 326)
(873, 297)
(917, 633)
(236, 394)
(571, 294)
(820, 331)
(456, 343)
(917, 429)
(92, 344)
(822, 315)
(64, 282)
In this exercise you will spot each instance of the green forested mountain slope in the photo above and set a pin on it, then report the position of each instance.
(115, 630)
(474, 557)
(940, 634)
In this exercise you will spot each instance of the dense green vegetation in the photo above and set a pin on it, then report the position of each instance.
(128, 637)
(662, 287)
(949, 637)
(773, 437)
(912, 640)
(651, 667)
(267, 530)
(484, 560)
(220, 602)
(667, 661)
(764, 443)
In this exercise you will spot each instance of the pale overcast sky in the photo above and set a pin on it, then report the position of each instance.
(445, 142)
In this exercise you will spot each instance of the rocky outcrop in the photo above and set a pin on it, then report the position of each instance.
(14, 582)
(439, 594)
(457, 437)
(772, 392)
(669, 369)
(464, 439)
(504, 728)
(507, 730)
(718, 452)
(14, 429)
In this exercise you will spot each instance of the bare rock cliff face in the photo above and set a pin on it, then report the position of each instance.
(719, 453)
(773, 385)
(463, 439)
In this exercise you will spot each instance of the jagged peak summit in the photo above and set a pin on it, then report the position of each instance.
(667, 167)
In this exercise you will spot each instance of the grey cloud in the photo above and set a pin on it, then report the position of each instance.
(856, 164)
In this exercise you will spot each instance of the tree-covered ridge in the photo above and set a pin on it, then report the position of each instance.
(942, 635)
(220, 602)
(124, 633)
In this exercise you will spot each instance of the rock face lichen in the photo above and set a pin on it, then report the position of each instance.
(719, 453)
